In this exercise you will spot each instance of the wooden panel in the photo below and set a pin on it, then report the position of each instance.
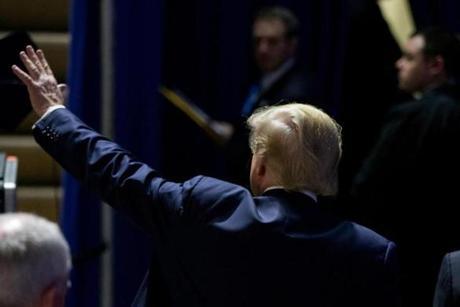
(44, 201)
(34, 166)
(28, 15)
(56, 48)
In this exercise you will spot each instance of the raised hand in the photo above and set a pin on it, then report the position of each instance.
(40, 81)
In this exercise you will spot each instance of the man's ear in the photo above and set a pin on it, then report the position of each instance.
(261, 167)
(437, 65)
(53, 296)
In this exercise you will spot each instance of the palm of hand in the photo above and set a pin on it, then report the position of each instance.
(40, 81)
(46, 88)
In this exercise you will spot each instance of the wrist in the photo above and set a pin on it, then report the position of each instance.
(49, 110)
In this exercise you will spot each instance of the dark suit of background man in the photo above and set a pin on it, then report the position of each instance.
(447, 293)
(409, 184)
(275, 38)
(218, 244)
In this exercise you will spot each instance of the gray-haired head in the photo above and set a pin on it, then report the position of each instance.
(34, 258)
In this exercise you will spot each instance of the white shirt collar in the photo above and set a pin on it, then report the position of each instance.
(304, 191)
(270, 78)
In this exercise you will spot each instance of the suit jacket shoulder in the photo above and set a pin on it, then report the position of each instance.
(447, 292)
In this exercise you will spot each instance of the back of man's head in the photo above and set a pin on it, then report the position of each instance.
(283, 14)
(34, 261)
(442, 43)
(301, 144)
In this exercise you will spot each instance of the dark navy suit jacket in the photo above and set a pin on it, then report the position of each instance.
(447, 292)
(220, 246)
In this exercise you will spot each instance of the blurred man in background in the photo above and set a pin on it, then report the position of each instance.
(275, 37)
(407, 187)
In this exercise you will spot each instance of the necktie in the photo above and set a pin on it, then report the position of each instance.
(251, 100)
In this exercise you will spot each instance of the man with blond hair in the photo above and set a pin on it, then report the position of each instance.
(218, 244)
(34, 262)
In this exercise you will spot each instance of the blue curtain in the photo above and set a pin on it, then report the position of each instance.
(137, 36)
(137, 42)
(81, 210)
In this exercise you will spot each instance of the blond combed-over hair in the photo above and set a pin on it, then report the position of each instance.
(301, 144)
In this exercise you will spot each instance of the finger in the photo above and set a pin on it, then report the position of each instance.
(64, 90)
(31, 68)
(62, 87)
(25, 78)
(33, 57)
(44, 62)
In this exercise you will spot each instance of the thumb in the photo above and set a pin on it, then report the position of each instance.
(64, 90)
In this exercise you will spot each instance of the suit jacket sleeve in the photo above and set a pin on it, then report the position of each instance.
(447, 293)
(390, 280)
(123, 182)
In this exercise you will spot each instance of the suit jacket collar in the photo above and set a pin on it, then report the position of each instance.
(302, 213)
(269, 79)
